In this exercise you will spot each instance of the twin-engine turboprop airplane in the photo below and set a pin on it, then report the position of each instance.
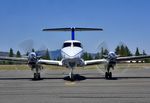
(72, 51)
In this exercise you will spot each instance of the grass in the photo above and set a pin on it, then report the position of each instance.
(14, 67)
(120, 66)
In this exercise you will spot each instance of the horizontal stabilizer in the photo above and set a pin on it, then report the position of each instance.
(75, 29)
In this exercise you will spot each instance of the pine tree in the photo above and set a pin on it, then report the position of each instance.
(117, 50)
(87, 56)
(97, 56)
(146, 60)
(27, 53)
(137, 53)
(105, 52)
(122, 50)
(144, 53)
(11, 53)
(33, 50)
(47, 56)
(101, 53)
(18, 54)
(90, 57)
(128, 53)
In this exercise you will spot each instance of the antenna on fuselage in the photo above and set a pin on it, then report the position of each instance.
(73, 30)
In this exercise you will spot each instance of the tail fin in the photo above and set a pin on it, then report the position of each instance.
(73, 30)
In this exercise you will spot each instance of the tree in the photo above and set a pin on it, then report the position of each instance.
(137, 53)
(128, 53)
(47, 56)
(123, 50)
(117, 50)
(18, 54)
(87, 56)
(97, 56)
(33, 50)
(105, 52)
(90, 57)
(11, 53)
(146, 60)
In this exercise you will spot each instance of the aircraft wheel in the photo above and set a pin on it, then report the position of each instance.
(37, 76)
(106, 75)
(110, 75)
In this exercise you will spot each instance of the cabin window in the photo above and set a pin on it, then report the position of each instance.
(77, 44)
(67, 45)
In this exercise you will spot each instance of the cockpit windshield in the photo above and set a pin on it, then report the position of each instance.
(67, 45)
(75, 44)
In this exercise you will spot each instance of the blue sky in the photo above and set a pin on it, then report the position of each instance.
(126, 21)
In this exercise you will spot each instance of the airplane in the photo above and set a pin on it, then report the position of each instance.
(72, 51)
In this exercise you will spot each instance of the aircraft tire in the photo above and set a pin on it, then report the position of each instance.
(110, 75)
(37, 76)
(106, 75)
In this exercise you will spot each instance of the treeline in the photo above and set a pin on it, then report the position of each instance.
(120, 50)
(12, 54)
(18, 55)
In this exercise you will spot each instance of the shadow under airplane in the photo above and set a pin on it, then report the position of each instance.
(77, 77)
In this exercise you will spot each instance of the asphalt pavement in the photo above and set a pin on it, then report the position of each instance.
(127, 86)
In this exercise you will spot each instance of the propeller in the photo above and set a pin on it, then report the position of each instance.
(28, 46)
(105, 53)
(103, 50)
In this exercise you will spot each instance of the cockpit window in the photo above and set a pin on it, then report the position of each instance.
(77, 44)
(67, 45)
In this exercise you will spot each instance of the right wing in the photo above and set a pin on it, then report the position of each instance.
(96, 61)
(129, 58)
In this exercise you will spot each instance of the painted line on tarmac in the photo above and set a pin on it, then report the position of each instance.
(70, 83)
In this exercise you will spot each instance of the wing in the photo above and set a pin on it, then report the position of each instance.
(132, 58)
(20, 59)
(97, 61)
(50, 62)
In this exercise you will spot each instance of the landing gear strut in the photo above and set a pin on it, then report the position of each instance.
(108, 74)
(36, 74)
(71, 75)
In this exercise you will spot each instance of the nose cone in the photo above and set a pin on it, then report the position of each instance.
(72, 52)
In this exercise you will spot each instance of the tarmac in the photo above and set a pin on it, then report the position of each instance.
(127, 86)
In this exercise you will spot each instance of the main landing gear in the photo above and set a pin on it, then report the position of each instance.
(36, 75)
(108, 74)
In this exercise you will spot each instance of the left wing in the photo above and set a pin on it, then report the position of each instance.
(93, 62)
(132, 58)
(50, 62)
(20, 59)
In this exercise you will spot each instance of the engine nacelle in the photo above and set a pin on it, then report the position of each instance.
(112, 58)
(32, 59)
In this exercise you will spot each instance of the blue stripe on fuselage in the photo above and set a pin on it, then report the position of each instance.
(73, 34)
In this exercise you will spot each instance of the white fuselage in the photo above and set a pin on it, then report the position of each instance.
(71, 53)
